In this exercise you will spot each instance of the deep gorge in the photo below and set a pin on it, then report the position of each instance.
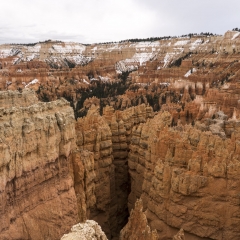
(142, 137)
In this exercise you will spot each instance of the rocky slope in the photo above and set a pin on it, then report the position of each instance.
(192, 77)
(56, 172)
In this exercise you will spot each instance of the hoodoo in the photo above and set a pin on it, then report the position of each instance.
(127, 140)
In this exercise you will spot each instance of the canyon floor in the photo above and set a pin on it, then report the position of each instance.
(128, 140)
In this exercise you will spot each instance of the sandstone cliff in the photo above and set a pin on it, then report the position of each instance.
(37, 198)
(121, 124)
(187, 178)
(93, 134)
(108, 138)
(56, 172)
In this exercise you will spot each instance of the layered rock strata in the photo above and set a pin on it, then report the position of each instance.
(108, 137)
(137, 226)
(187, 178)
(121, 124)
(37, 197)
(83, 176)
(93, 134)
(56, 172)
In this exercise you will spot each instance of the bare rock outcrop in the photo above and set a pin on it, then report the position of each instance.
(93, 134)
(84, 182)
(37, 197)
(179, 235)
(121, 124)
(10, 99)
(108, 138)
(85, 231)
(186, 178)
(137, 227)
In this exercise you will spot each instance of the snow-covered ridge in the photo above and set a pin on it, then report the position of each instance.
(147, 44)
(129, 55)
(63, 53)
(67, 48)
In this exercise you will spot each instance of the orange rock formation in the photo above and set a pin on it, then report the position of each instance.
(170, 137)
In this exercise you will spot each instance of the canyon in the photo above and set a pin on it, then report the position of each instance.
(128, 140)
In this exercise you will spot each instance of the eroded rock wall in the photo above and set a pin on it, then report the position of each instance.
(187, 178)
(37, 197)
(56, 172)
(93, 134)
(108, 138)
(137, 226)
(84, 182)
(121, 124)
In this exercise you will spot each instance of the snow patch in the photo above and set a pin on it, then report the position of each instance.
(235, 35)
(181, 43)
(104, 79)
(166, 84)
(32, 82)
(168, 57)
(195, 44)
(35, 48)
(80, 59)
(8, 52)
(143, 57)
(133, 63)
(190, 72)
(85, 81)
(142, 44)
(94, 79)
(67, 48)
(31, 57)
